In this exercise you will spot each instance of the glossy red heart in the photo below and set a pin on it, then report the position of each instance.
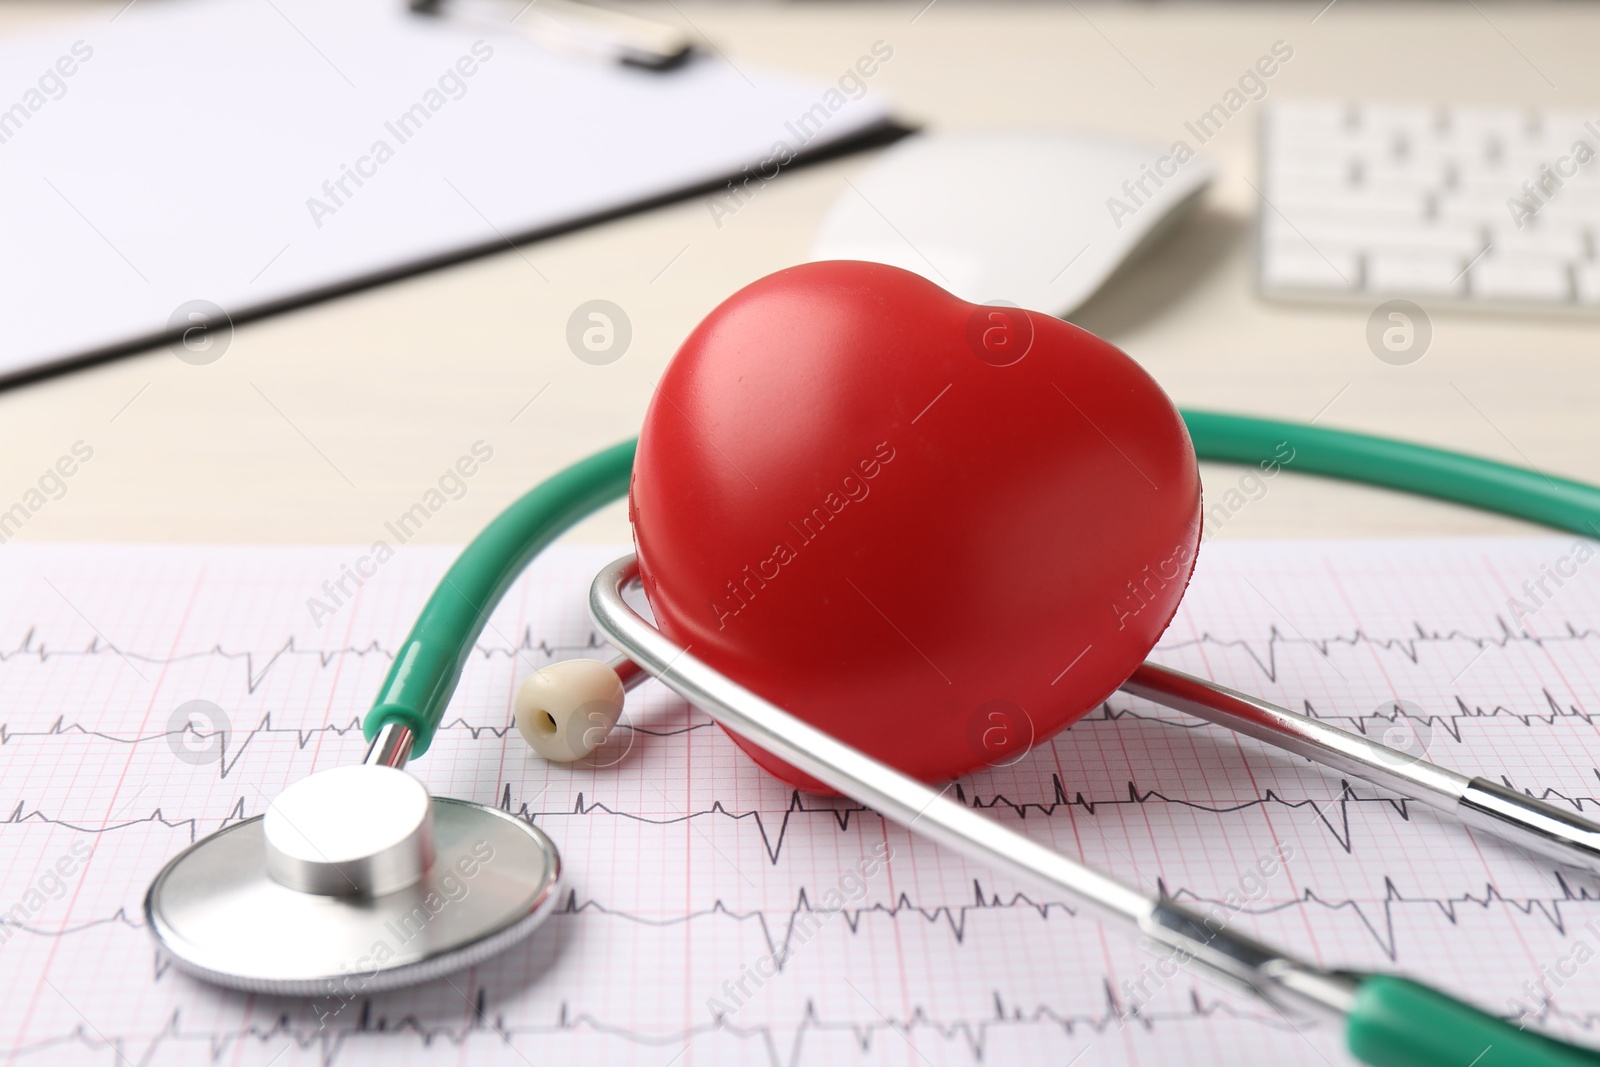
(940, 531)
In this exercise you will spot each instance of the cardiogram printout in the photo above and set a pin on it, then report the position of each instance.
(710, 916)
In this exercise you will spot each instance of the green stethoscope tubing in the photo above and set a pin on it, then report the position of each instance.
(1395, 1022)
(424, 674)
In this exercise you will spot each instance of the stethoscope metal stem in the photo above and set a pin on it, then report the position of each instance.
(629, 672)
(1555, 833)
(1304, 736)
(1564, 836)
(391, 747)
(1290, 983)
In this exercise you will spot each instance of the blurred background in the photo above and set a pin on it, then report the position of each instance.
(1417, 124)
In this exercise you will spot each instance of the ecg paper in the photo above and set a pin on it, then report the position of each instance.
(690, 875)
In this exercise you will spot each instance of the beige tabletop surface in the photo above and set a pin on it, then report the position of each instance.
(320, 424)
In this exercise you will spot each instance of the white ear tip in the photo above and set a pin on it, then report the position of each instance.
(566, 710)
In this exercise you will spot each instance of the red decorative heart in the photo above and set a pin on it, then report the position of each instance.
(940, 531)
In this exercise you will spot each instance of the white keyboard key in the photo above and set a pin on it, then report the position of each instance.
(1522, 162)
(1325, 155)
(1399, 125)
(1482, 213)
(1415, 236)
(1336, 214)
(1412, 202)
(1356, 201)
(1326, 182)
(1568, 126)
(1444, 149)
(1408, 272)
(1439, 149)
(1586, 281)
(1505, 123)
(1309, 130)
(1479, 184)
(1279, 232)
(1322, 146)
(1541, 243)
(1406, 114)
(1291, 170)
(1556, 132)
(1535, 169)
(1584, 198)
(1303, 185)
(1569, 213)
(1351, 141)
(1495, 166)
(1305, 269)
(1395, 181)
(1411, 194)
(1528, 281)
(1379, 168)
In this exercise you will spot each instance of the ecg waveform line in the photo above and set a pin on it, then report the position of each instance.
(1381, 928)
(232, 746)
(1266, 660)
(777, 928)
(232, 743)
(1546, 1012)
(230, 752)
(773, 838)
(1334, 816)
(31, 648)
(1263, 653)
(972, 1035)
(1377, 880)
(1373, 721)
(954, 917)
(1451, 725)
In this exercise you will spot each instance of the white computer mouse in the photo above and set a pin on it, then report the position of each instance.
(1036, 219)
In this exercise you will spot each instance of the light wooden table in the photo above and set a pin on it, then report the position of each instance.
(320, 424)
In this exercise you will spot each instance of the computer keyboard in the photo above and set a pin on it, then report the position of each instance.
(1485, 206)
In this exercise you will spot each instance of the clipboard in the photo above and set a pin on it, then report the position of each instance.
(195, 159)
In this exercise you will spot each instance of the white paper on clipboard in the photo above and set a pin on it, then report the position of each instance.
(252, 154)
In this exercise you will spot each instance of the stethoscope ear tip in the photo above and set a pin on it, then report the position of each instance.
(567, 710)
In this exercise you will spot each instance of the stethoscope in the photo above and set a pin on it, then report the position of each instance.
(357, 881)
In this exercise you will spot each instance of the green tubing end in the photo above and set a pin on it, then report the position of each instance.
(1398, 1023)
(429, 663)
(412, 719)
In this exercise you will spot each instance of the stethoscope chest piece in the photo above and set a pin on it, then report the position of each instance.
(287, 904)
